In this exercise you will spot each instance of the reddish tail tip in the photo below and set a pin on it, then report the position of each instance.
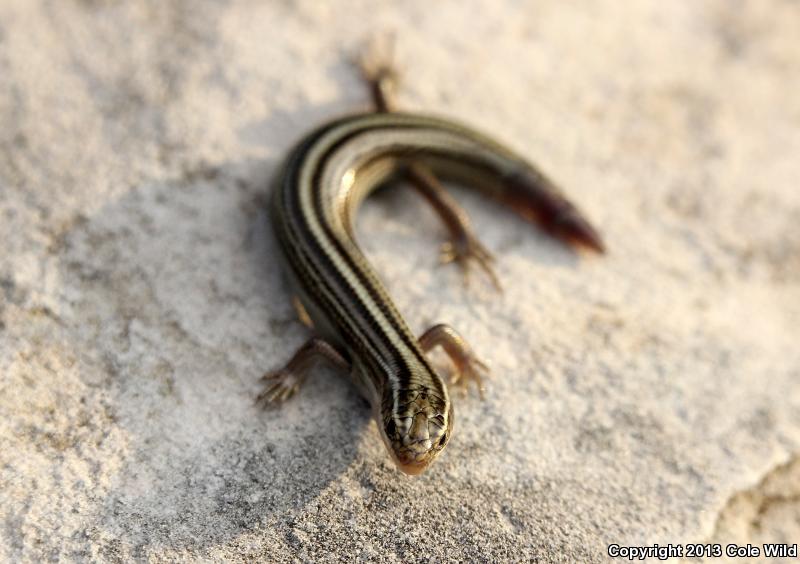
(575, 230)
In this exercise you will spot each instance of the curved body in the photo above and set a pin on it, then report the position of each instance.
(316, 196)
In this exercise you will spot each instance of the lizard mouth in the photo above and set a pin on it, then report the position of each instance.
(413, 468)
(413, 459)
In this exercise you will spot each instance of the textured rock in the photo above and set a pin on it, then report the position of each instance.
(648, 396)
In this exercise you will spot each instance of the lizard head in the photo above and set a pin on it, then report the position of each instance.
(416, 425)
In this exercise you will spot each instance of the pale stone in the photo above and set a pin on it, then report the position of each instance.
(648, 396)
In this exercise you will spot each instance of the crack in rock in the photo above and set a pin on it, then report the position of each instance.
(769, 511)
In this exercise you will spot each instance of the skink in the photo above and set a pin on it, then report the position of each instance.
(315, 198)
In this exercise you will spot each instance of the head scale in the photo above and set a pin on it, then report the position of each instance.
(416, 426)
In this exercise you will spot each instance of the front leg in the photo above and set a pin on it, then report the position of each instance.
(468, 368)
(282, 384)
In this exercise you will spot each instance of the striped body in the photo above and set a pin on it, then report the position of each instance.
(316, 196)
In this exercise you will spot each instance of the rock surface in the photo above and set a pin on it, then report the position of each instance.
(648, 396)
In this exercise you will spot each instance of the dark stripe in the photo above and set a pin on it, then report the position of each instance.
(378, 296)
(341, 293)
(300, 264)
(357, 264)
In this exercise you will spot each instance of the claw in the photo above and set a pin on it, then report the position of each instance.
(279, 386)
(467, 250)
(469, 368)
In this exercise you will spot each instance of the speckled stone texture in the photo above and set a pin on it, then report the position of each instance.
(648, 396)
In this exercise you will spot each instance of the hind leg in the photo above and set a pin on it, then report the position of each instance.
(379, 71)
